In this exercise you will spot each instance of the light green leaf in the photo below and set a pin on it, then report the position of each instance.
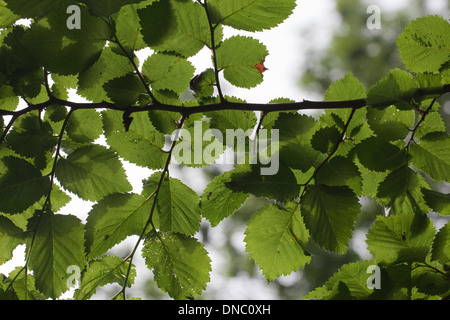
(10, 237)
(113, 219)
(165, 71)
(276, 239)
(180, 264)
(390, 123)
(178, 206)
(441, 245)
(401, 192)
(353, 275)
(330, 214)
(398, 88)
(128, 29)
(218, 201)
(237, 57)
(8, 99)
(425, 44)
(21, 185)
(431, 155)
(106, 270)
(251, 15)
(58, 244)
(84, 126)
(401, 238)
(7, 17)
(92, 172)
(142, 144)
(346, 88)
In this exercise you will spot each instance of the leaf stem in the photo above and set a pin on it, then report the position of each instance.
(150, 219)
(212, 30)
(331, 154)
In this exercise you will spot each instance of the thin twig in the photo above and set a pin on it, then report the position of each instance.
(212, 30)
(331, 154)
(150, 219)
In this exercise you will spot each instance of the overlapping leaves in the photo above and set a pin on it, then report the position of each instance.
(325, 164)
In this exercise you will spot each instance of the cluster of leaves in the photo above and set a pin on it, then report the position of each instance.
(50, 150)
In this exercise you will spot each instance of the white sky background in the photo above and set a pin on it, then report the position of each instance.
(285, 64)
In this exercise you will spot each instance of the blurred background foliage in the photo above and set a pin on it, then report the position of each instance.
(369, 55)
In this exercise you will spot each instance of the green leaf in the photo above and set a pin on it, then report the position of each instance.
(346, 88)
(34, 8)
(31, 137)
(330, 214)
(439, 202)
(441, 248)
(325, 139)
(425, 44)
(340, 171)
(7, 17)
(106, 8)
(8, 99)
(390, 123)
(229, 122)
(142, 144)
(58, 244)
(109, 66)
(53, 44)
(180, 264)
(276, 239)
(218, 201)
(113, 219)
(380, 155)
(21, 185)
(237, 57)
(431, 154)
(176, 26)
(203, 83)
(10, 237)
(401, 192)
(251, 15)
(164, 121)
(282, 186)
(124, 91)
(128, 29)
(178, 206)
(295, 134)
(197, 145)
(23, 287)
(353, 275)
(84, 126)
(401, 238)
(170, 72)
(92, 172)
(398, 88)
(106, 270)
